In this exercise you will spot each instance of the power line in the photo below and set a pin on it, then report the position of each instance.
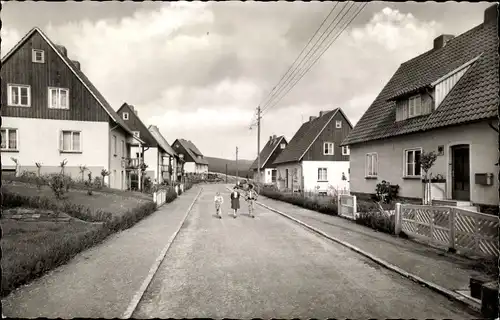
(308, 56)
(284, 75)
(300, 74)
(319, 56)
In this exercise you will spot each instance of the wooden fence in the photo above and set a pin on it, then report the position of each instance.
(466, 231)
(347, 206)
(159, 197)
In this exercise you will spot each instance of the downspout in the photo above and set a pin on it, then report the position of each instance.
(109, 152)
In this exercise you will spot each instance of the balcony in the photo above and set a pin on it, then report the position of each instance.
(131, 163)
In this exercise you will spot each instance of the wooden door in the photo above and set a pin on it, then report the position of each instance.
(460, 174)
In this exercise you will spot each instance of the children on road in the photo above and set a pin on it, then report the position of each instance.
(219, 200)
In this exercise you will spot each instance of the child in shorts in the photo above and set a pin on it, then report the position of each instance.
(219, 200)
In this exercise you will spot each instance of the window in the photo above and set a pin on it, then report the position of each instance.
(412, 163)
(9, 139)
(37, 56)
(123, 149)
(70, 141)
(19, 95)
(322, 174)
(273, 175)
(414, 106)
(58, 98)
(137, 134)
(328, 148)
(345, 150)
(114, 144)
(371, 165)
(338, 124)
(125, 116)
(282, 146)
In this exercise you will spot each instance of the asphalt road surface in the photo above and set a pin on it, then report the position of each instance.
(270, 267)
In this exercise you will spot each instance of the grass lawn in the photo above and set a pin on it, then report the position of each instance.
(32, 248)
(117, 203)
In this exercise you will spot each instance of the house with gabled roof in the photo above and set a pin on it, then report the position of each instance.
(272, 149)
(194, 161)
(52, 112)
(444, 100)
(313, 160)
(155, 152)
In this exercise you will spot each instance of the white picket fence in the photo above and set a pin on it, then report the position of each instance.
(456, 228)
(159, 197)
(347, 206)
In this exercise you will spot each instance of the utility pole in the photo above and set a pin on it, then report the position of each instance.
(258, 149)
(237, 176)
(226, 173)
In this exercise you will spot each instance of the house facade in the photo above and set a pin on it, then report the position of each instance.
(165, 164)
(314, 160)
(272, 149)
(445, 101)
(51, 112)
(194, 161)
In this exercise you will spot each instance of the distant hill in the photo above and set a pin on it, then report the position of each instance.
(219, 165)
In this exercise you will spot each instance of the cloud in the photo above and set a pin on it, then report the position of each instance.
(198, 70)
(9, 39)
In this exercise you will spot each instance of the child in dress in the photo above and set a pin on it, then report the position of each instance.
(219, 200)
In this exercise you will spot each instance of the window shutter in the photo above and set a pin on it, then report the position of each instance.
(61, 140)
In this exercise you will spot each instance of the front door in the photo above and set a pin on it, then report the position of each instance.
(460, 173)
(286, 178)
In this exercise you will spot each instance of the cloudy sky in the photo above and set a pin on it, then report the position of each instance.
(198, 70)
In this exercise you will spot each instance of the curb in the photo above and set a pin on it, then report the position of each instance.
(154, 268)
(437, 288)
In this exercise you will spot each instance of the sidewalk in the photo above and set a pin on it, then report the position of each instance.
(101, 281)
(449, 271)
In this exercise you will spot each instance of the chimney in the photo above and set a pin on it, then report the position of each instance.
(274, 137)
(76, 63)
(132, 108)
(270, 138)
(441, 41)
(491, 14)
(62, 49)
(311, 118)
(322, 113)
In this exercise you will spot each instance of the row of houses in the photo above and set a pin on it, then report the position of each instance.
(51, 112)
(444, 100)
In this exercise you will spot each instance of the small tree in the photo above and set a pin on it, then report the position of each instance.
(427, 160)
(38, 168)
(104, 173)
(18, 166)
(62, 165)
(89, 184)
(82, 171)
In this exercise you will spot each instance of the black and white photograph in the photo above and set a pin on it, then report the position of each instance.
(249, 159)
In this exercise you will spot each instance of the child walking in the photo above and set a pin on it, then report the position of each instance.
(219, 200)
(235, 201)
(251, 197)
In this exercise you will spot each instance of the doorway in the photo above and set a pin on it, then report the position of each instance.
(286, 178)
(460, 172)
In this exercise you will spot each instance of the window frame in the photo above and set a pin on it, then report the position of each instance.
(122, 143)
(33, 55)
(374, 164)
(326, 143)
(346, 151)
(405, 162)
(338, 124)
(125, 116)
(7, 129)
(49, 98)
(61, 141)
(414, 98)
(321, 169)
(18, 86)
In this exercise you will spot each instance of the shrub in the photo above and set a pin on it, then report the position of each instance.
(377, 220)
(385, 192)
(188, 185)
(329, 208)
(57, 183)
(89, 185)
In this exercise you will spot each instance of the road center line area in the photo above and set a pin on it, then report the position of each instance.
(270, 267)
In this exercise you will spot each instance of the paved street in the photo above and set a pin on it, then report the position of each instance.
(270, 267)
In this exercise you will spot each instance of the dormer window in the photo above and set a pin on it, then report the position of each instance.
(282, 146)
(338, 124)
(38, 56)
(125, 116)
(414, 106)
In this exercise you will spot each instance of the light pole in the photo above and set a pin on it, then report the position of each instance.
(181, 157)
